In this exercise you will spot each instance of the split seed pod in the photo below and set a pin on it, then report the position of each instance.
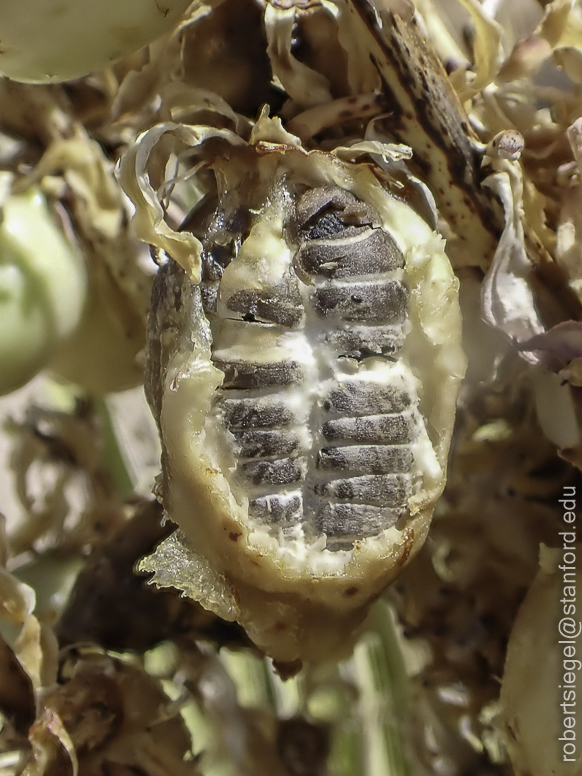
(305, 392)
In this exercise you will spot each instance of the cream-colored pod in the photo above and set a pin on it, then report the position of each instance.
(305, 392)
(540, 696)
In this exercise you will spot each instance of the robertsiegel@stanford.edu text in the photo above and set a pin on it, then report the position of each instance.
(569, 627)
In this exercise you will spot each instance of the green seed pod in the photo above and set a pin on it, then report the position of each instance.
(42, 288)
(52, 40)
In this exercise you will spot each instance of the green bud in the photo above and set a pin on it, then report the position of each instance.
(43, 286)
(52, 40)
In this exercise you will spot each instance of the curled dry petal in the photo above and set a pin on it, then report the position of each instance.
(527, 57)
(507, 297)
(569, 230)
(17, 600)
(562, 28)
(314, 120)
(118, 718)
(136, 174)
(556, 410)
(303, 85)
(487, 47)
(52, 748)
(561, 344)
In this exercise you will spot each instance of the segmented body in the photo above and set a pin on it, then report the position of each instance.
(323, 429)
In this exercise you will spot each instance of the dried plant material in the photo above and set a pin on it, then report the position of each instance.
(134, 97)
(425, 114)
(16, 599)
(303, 85)
(36, 648)
(450, 51)
(568, 236)
(110, 605)
(35, 114)
(226, 53)
(135, 173)
(562, 28)
(101, 353)
(52, 748)
(28, 663)
(508, 299)
(117, 719)
(556, 410)
(526, 59)
(65, 490)
(16, 692)
(175, 564)
(570, 59)
(555, 20)
(459, 599)
(312, 121)
(561, 345)
(265, 142)
(486, 48)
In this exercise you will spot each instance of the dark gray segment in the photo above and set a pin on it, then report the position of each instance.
(372, 459)
(364, 341)
(257, 443)
(356, 521)
(381, 490)
(240, 374)
(328, 211)
(327, 226)
(373, 429)
(280, 472)
(284, 509)
(371, 302)
(373, 253)
(281, 304)
(359, 398)
(266, 412)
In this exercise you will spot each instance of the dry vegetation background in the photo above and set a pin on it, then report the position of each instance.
(458, 669)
